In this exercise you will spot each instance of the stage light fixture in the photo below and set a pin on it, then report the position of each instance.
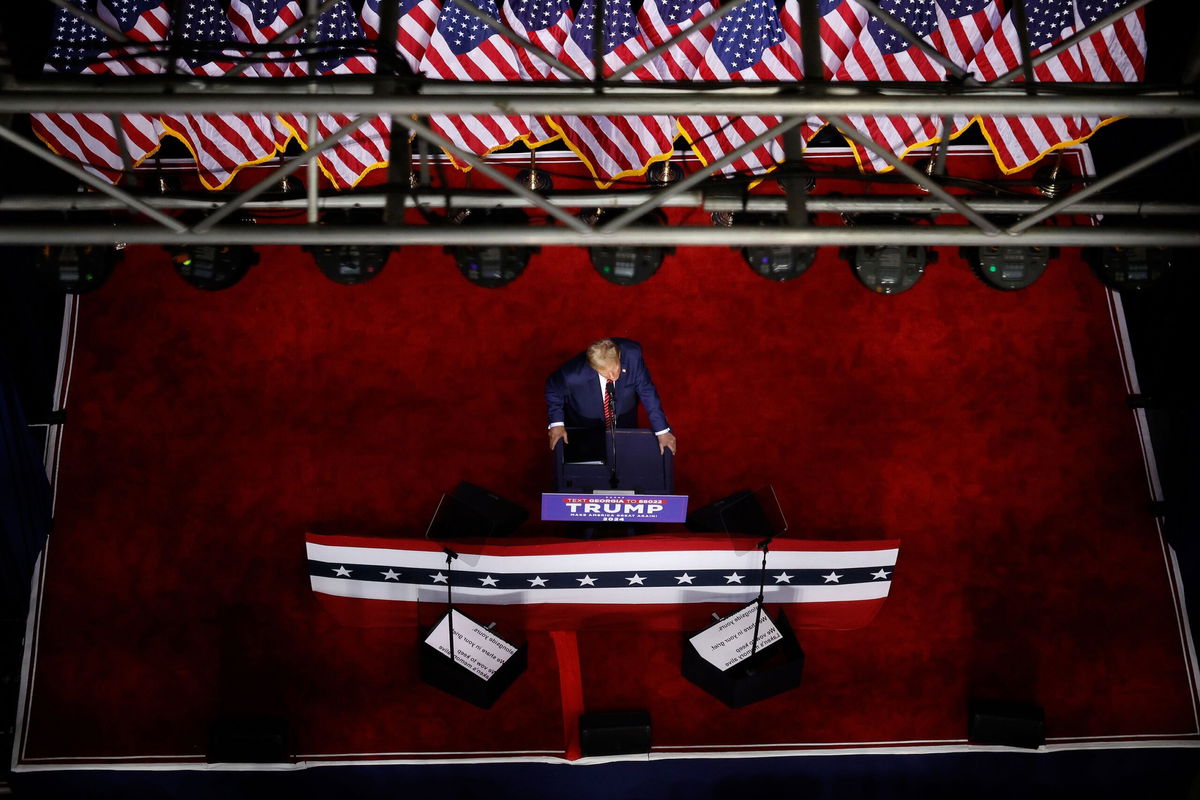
(212, 268)
(664, 173)
(626, 265)
(492, 266)
(534, 179)
(890, 269)
(773, 262)
(1009, 267)
(350, 264)
(77, 269)
(1129, 269)
(795, 169)
(1052, 180)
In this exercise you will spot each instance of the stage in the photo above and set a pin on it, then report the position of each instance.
(208, 433)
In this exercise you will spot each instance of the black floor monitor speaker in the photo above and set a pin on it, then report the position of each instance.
(471, 510)
(740, 512)
(248, 740)
(613, 733)
(1005, 723)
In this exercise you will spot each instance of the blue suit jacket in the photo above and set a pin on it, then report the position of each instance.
(573, 392)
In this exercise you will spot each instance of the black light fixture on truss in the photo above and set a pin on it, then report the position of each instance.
(1129, 269)
(349, 264)
(773, 262)
(1008, 267)
(626, 265)
(534, 179)
(491, 266)
(664, 173)
(212, 268)
(77, 269)
(889, 268)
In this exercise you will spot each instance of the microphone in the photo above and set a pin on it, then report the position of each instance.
(613, 480)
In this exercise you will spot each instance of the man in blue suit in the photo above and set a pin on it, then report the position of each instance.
(576, 392)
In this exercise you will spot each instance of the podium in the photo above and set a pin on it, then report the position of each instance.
(587, 463)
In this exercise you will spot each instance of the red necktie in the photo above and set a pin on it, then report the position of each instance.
(609, 411)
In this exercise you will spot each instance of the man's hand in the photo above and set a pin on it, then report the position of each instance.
(560, 432)
(666, 440)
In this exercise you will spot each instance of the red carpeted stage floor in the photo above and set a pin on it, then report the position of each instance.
(207, 433)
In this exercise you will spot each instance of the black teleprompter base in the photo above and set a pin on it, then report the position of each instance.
(439, 671)
(772, 670)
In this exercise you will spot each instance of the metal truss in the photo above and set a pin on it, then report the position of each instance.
(407, 101)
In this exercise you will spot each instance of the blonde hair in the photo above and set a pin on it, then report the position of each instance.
(603, 352)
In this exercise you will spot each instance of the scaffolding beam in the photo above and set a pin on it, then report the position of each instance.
(647, 236)
(837, 99)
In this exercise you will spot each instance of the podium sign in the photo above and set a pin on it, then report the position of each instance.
(614, 507)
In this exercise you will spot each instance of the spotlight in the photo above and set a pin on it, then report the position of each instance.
(1052, 181)
(534, 179)
(890, 269)
(663, 173)
(1129, 269)
(795, 169)
(626, 265)
(1008, 267)
(77, 269)
(774, 262)
(349, 264)
(492, 266)
(213, 267)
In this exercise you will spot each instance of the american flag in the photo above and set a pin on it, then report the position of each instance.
(140, 20)
(640, 582)
(221, 144)
(259, 22)
(544, 23)
(842, 22)
(339, 40)
(1118, 53)
(955, 28)
(612, 147)
(415, 21)
(464, 49)
(751, 44)
(92, 139)
(662, 19)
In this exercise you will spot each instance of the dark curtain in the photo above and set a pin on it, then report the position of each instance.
(24, 498)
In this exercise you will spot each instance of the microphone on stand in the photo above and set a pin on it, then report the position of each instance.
(450, 556)
(765, 546)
